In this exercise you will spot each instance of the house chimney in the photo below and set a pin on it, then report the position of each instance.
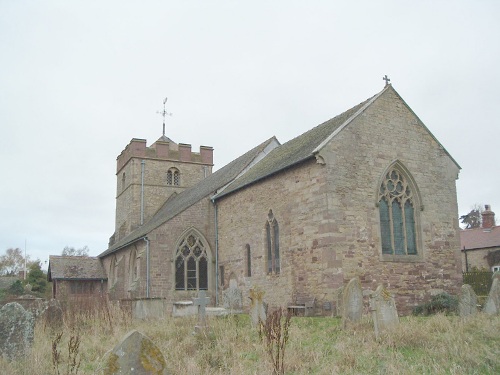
(488, 217)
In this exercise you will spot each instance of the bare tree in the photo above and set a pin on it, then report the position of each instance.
(71, 251)
(12, 261)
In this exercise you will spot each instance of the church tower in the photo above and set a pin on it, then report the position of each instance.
(147, 176)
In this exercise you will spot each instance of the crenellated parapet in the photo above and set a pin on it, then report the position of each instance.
(164, 149)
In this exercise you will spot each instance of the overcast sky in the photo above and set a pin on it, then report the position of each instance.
(80, 79)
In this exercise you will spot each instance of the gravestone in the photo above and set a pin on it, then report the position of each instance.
(383, 309)
(492, 305)
(53, 315)
(36, 306)
(16, 331)
(467, 302)
(135, 354)
(201, 302)
(352, 302)
(232, 298)
(257, 308)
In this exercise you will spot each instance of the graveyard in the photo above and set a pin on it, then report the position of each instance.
(99, 338)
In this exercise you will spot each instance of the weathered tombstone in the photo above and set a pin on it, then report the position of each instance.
(257, 308)
(492, 305)
(384, 312)
(36, 306)
(467, 302)
(232, 298)
(53, 315)
(16, 331)
(352, 302)
(135, 354)
(202, 301)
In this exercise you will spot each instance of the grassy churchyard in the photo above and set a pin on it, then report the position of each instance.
(437, 344)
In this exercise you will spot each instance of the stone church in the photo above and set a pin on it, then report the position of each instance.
(369, 193)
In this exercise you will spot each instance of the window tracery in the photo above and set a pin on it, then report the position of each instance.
(397, 214)
(191, 264)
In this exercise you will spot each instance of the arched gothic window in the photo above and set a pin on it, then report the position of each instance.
(173, 177)
(397, 214)
(273, 244)
(191, 264)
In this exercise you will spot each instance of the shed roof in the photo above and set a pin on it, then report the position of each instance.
(75, 268)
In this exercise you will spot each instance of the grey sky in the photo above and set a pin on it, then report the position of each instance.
(79, 79)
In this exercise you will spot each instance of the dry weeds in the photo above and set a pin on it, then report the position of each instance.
(432, 345)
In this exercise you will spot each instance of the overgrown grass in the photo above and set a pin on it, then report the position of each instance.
(437, 344)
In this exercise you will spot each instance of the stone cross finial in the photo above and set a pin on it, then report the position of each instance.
(386, 79)
(202, 301)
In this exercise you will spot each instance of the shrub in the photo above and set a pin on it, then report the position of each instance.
(16, 288)
(440, 303)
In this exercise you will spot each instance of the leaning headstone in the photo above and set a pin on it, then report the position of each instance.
(232, 298)
(257, 308)
(53, 315)
(467, 302)
(135, 354)
(352, 302)
(16, 331)
(492, 305)
(383, 309)
(201, 302)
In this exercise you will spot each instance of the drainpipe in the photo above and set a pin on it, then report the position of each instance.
(466, 261)
(143, 163)
(147, 266)
(216, 255)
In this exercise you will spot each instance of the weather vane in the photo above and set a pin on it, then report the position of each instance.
(164, 113)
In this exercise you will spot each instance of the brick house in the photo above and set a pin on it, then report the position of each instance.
(369, 193)
(480, 245)
(76, 277)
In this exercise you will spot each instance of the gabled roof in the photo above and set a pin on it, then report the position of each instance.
(294, 151)
(75, 268)
(205, 188)
(307, 145)
(480, 238)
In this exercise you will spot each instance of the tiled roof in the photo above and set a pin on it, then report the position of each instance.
(75, 267)
(188, 197)
(480, 238)
(305, 146)
(296, 150)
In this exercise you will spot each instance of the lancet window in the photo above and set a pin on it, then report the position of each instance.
(272, 244)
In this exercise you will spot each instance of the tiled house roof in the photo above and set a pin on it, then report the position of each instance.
(75, 268)
(480, 238)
